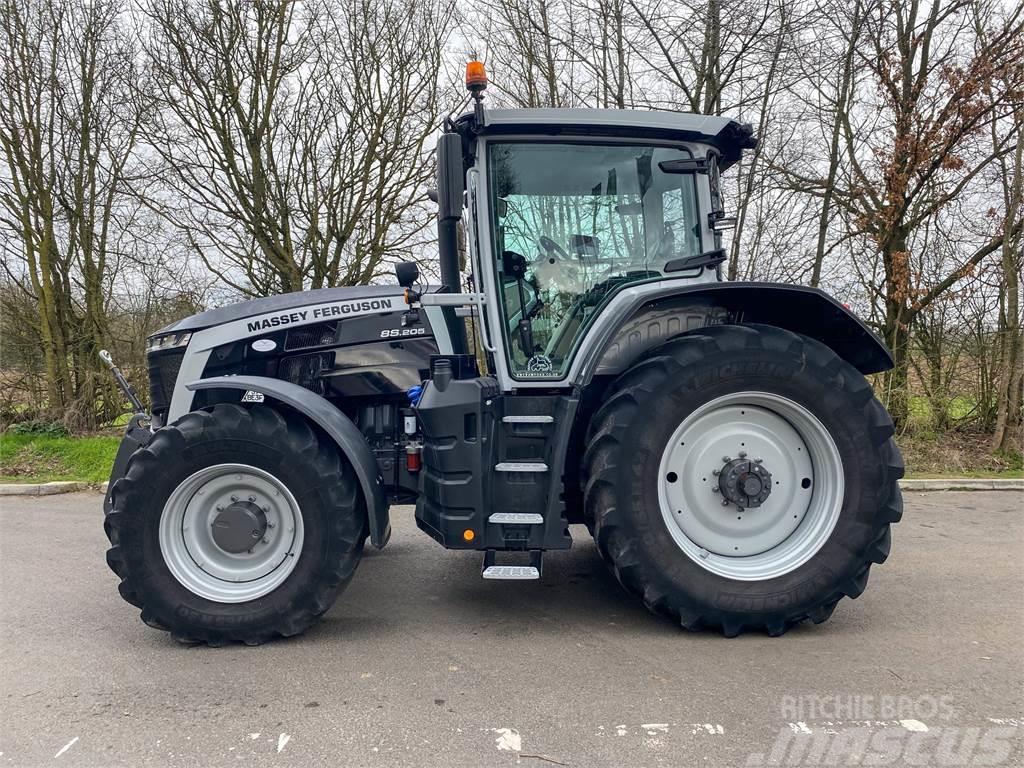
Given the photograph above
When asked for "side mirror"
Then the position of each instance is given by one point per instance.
(684, 165)
(721, 223)
(407, 273)
(451, 184)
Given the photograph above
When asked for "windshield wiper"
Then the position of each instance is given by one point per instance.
(706, 259)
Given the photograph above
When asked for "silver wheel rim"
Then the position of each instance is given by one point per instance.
(196, 560)
(806, 486)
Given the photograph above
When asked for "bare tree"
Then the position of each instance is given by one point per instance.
(839, 29)
(911, 151)
(69, 128)
(1010, 334)
(532, 64)
(293, 136)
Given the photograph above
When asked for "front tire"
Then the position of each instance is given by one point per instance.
(235, 524)
(680, 434)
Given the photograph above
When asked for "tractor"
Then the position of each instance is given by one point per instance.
(582, 361)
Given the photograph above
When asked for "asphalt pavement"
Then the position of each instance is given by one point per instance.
(422, 663)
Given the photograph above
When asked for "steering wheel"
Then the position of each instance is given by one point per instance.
(553, 249)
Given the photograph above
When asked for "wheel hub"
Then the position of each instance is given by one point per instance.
(239, 526)
(745, 483)
(751, 485)
(231, 533)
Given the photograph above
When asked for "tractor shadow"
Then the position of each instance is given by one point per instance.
(423, 584)
(414, 586)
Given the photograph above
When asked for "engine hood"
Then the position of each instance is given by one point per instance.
(280, 302)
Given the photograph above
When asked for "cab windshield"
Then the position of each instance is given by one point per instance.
(572, 222)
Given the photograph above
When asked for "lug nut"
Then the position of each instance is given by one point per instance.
(252, 498)
(758, 460)
(234, 498)
(727, 459)
(743, 454)
(716, 489)
(725, 502)
(716, 472)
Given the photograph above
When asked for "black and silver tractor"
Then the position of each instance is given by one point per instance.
(718, 439)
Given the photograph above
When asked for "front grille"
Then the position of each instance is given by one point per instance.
(306, 336)
(305, 370)
(163, 373)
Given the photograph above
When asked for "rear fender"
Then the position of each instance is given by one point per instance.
(649, 320)
(336, 424)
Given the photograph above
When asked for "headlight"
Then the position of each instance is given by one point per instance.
(167, 341)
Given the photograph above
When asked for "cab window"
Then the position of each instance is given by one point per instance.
(572, 222)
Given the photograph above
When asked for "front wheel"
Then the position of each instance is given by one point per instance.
(235, 524)
(742, 477)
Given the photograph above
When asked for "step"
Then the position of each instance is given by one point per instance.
(511, 572)
(516, 518)
(528, 419)
(521, 466)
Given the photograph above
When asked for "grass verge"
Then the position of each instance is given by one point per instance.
(957, 453)
(44, 458)
(31, 458)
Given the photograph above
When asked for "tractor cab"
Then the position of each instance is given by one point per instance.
(566, 214)
(565, 208)
(566, 222)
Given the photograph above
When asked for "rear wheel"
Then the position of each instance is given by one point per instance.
(235, 524)
(742, 477)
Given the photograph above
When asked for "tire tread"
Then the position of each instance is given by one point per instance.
(604, 445)
(296, 439)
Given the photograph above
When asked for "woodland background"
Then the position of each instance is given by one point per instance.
(164, 156)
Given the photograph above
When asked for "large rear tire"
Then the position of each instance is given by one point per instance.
(742, 477)
(235, 524)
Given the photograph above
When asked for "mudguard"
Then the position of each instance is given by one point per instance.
(649, 319)
(336, 424)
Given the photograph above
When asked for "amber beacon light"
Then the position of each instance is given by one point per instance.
(476, 76)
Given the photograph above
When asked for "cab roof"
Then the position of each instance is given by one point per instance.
(726, 135)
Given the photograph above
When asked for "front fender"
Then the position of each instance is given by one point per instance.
(336, 424)
(649, 318)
